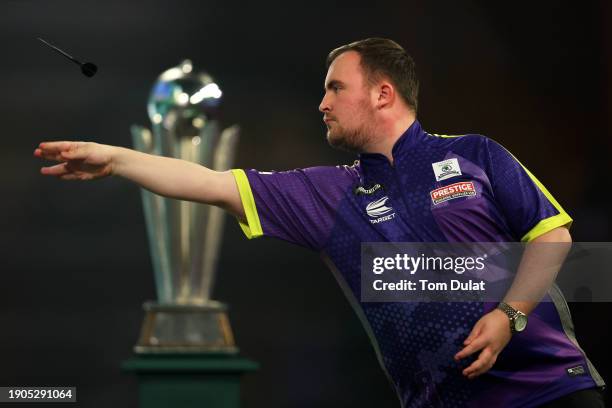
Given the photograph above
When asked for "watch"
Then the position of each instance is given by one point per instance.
(518, 319)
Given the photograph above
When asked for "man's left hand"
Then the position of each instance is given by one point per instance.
(490, 334)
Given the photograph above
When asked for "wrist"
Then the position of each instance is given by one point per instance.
(516, 318)
(117, 159)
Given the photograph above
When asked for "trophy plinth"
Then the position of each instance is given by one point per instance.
(175, 328)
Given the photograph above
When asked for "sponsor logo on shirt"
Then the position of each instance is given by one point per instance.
(456, 190)
(380, 211)
(446, 169)
(368, 190)
(574, 371)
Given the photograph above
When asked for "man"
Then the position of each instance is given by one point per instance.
(435, 354)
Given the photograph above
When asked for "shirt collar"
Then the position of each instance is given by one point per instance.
(406, 142)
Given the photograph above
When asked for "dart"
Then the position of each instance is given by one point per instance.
(87, 68)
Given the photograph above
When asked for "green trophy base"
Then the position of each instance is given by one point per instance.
(189, 380)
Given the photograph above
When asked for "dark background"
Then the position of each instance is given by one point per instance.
(75, 264)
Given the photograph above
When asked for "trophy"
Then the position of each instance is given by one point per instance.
(184, 237)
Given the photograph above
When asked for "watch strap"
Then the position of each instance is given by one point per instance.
(510, 312)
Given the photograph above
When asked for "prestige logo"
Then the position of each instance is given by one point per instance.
(452, 191)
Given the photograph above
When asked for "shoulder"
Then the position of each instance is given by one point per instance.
(340, 174)
(325, 178)
(466, 141)
(331, 179)
(476, 146)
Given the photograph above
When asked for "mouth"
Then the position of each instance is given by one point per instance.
(327, 120)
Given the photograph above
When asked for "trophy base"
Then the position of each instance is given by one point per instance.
(182, 329)
(187, 380)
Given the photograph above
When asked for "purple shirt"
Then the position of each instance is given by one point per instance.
(440, 189)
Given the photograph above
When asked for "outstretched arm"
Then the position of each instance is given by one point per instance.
(165, 176)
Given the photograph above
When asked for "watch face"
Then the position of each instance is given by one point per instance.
(520, 322)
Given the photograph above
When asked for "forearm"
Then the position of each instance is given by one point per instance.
(538, 269)
(170, 177)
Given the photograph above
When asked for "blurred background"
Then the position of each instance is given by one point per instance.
(74, 259)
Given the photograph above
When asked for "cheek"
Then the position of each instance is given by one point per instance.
(349, 106)
(366, 108)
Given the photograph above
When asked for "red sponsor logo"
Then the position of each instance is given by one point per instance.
(456, 190)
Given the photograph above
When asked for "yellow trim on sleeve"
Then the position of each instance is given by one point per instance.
(252, 228)
(550, 223)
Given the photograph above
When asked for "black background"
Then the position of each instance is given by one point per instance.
(74, 258)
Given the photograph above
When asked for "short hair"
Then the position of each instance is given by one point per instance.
(381, 57)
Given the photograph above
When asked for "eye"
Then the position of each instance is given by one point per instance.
(333, 87)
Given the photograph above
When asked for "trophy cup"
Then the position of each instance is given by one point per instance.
(185, 237)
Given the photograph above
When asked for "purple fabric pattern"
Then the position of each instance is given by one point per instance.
(439, 189)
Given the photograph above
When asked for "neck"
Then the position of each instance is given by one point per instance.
(390, 132)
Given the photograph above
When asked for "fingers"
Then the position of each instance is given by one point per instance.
(473, 334)
(70, 176)
(44, 154)
(57, 150)
(475, 345)
(76, 151)
(55, 146)
(57, 170)
(64, 172)
(490, 336)
(485, 361)
(68, 171)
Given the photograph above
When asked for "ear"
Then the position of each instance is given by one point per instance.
(386, 95)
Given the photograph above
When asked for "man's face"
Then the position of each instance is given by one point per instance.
(347, 104)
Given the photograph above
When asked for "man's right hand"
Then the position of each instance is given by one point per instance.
(78, 160)
(166, 176)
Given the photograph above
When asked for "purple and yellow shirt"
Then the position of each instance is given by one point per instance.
(439, 189)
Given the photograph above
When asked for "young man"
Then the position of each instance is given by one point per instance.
(435, 354)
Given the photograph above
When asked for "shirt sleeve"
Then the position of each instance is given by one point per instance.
(298, 206)
(528, 206)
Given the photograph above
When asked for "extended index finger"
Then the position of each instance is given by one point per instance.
(52, 150)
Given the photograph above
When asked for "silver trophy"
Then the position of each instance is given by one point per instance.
(185, 237)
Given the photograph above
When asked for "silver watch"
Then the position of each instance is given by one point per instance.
(518, 319)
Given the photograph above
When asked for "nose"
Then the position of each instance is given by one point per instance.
(324, 105)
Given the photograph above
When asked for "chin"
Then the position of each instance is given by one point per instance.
(333, 139)
(340, 143)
